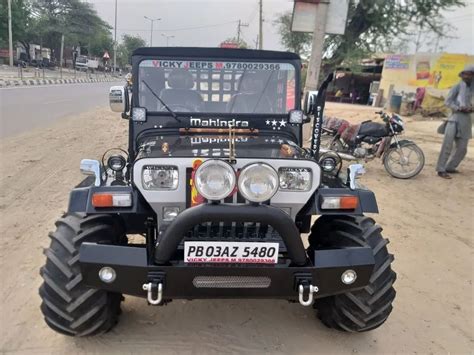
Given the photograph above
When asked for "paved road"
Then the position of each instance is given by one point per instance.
(25, 108)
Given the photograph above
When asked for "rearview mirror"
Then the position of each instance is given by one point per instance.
(118, 99)
(309, 103)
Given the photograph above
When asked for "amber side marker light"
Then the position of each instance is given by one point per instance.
(108, 199)
(339, 202)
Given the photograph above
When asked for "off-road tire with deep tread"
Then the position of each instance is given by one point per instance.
(364, 309)
(68, 306)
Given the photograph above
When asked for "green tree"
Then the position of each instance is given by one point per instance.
(125, 49)
(21, 19)
(374, 25)
(99, 43)
(77, 21)
(377, 25)
(298, 42)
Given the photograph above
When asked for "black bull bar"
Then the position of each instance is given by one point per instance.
(187, 281)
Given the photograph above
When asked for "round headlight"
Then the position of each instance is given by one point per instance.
(258, 182)
(116, 162)
(215, 179)
(328, 164)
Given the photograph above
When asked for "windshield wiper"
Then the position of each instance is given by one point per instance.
(175, 116)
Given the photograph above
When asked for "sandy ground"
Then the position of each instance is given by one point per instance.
(429, 222)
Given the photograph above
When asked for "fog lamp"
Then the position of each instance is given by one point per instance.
(328, 164)
(348, 277)
(170, 213)
(107, 274)
(116, 162)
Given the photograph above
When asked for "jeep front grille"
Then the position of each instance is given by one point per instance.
(235, 231)
(231, 282)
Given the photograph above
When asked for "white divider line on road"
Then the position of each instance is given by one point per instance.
(41, 82)
(53, 85)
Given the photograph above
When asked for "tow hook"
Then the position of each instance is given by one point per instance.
(150, 287)
(311, 290)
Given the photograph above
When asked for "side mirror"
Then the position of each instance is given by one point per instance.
(309, 103)
(118, 99)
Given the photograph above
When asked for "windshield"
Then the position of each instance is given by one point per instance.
(216, 86)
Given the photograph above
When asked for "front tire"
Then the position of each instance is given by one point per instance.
(68, 306)
(368, 308)
(399, 163)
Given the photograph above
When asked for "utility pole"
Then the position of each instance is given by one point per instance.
(260, 25)
(314, 65)
(10, 35)
(167, 38)
(61, 55)
(115, 38)
(151, 29)
(239, 29)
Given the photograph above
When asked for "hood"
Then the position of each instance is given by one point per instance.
(217, 146)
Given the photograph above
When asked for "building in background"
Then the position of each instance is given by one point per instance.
(405, 76)
(356, 83)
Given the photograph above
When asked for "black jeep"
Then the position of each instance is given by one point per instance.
(211, 199)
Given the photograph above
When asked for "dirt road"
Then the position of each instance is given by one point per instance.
(429, 222)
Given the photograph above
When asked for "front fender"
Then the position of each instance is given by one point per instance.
(367, 201)
(402, 143)
(80, 200)
(393, 145)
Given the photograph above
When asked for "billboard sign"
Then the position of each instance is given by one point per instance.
(304, 16)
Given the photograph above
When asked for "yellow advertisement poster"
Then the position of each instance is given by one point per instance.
(439, 73)
(446, 70)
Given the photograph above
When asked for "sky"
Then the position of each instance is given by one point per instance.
(206, 23)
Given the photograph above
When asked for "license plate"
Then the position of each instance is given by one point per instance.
(231, 252)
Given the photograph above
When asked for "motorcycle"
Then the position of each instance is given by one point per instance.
(402, 158)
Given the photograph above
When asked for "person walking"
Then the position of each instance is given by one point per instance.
(458, 128)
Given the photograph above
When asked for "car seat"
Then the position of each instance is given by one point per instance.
(180, 94)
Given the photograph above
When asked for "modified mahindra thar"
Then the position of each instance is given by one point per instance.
(211, 197)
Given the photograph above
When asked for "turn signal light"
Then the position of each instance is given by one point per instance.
(107, 199)
(339, 202)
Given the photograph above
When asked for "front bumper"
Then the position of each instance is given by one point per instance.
(136, 267)
(179, 280)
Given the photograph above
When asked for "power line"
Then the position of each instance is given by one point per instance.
(253, 14)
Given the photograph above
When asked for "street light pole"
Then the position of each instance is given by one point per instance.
(115, 38)
(10, 35)
(260, 25)
(151, 29)
(167, 38)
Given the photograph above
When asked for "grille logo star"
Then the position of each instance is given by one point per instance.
(274, 123)
(283, 123)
